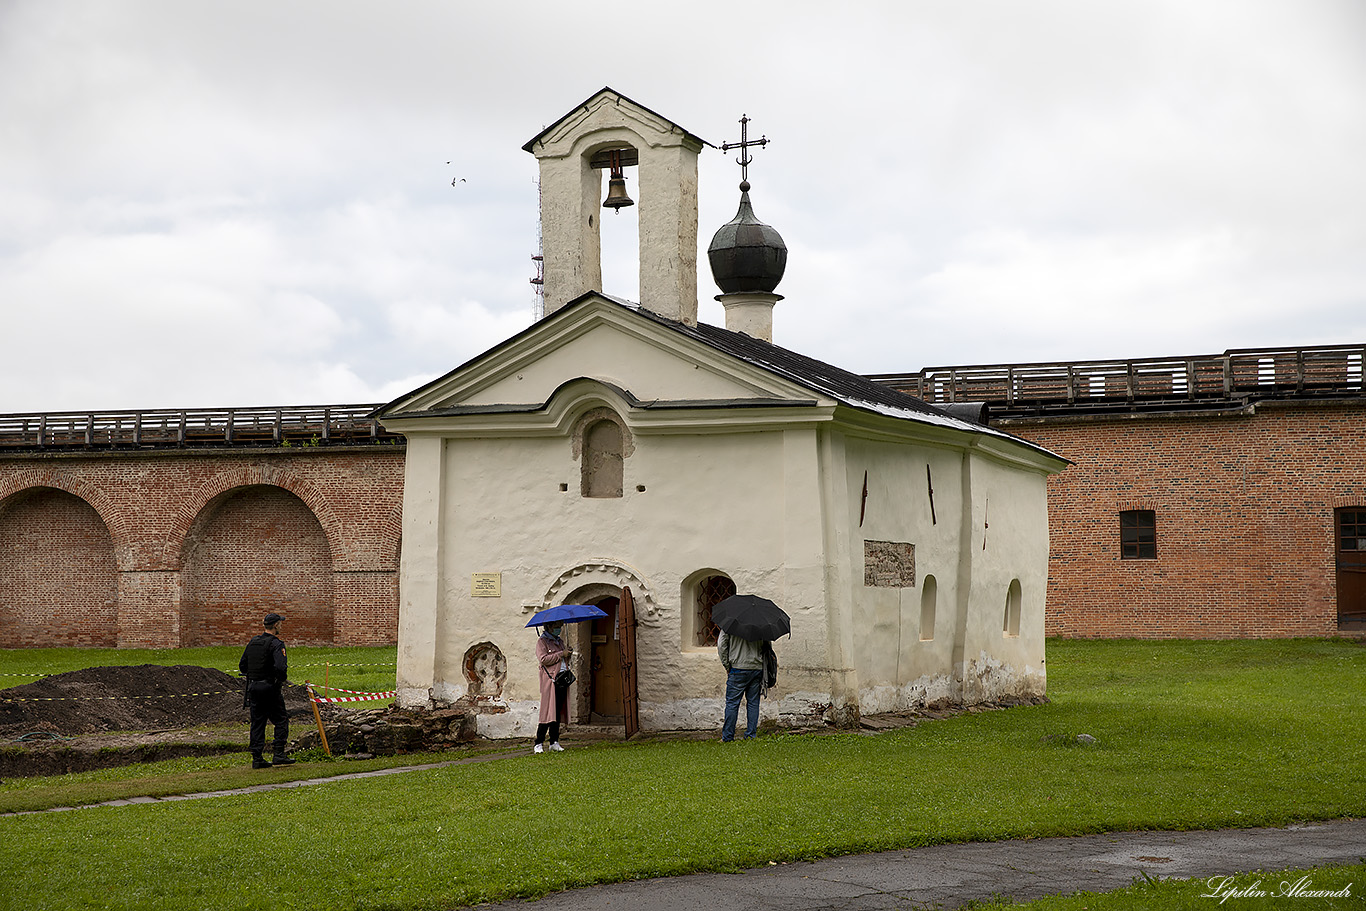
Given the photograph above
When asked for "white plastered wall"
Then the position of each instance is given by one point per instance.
(777, 511)
(745, 503)
(1009, 542)
(902, 666)
(987, 528)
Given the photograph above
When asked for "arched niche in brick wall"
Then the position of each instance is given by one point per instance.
(253, 550)
(58, 578)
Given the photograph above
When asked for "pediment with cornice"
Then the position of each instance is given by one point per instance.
(640, 360)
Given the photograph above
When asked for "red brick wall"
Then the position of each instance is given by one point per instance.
(253, 551)
(1245, 512)
(197, 539)
(57, 576)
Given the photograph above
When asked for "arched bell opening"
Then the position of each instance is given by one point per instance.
(619, 219)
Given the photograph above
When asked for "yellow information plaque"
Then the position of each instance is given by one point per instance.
(486, 585)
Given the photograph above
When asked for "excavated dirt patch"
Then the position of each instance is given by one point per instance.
(101, 717)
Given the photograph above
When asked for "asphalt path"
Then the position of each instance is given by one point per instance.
(949, 876)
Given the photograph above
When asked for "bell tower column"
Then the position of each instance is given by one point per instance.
(572, 154)
(571, 243)
(668, 232)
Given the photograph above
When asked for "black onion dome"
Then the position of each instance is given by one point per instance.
(746, 254)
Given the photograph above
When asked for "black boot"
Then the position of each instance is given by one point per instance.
(282, 759)
(259, 762)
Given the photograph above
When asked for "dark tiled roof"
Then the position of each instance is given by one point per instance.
(849, 388)
(819, 376)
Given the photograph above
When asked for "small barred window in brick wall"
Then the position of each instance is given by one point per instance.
(1138, 534)
(711, 591)
(1352, 530)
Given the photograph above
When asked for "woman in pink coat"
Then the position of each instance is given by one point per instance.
(553, 656)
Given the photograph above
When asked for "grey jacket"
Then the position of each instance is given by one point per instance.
(739, 654)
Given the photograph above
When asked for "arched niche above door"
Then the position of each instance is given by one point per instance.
(603, 572)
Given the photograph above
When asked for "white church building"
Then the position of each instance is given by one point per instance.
(625, 455)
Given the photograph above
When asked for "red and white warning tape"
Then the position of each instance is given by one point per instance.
(359, 697)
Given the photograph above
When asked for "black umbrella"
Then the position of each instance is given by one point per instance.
(751, 617)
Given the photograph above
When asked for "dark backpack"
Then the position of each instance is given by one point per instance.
(770, 664)
(257, 659)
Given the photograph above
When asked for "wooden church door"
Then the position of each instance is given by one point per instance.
(605, 684)
(630, 705)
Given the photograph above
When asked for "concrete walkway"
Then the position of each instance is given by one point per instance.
(949, 876)
(272, 786)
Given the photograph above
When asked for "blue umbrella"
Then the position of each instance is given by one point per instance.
(566, 613)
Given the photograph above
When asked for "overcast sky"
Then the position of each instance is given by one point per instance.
(206, 204)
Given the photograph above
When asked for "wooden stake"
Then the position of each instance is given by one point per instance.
(318, 718)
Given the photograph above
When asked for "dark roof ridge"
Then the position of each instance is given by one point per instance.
(808, 371)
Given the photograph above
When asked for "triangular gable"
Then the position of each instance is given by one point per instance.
(613, 343)
(572, 122)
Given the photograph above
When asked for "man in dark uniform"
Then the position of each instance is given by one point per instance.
(267, 669)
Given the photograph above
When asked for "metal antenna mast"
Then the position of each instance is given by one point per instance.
(538, 308)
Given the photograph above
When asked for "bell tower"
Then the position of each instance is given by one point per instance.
(610, 132)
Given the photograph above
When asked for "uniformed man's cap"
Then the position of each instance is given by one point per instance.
(272, 619)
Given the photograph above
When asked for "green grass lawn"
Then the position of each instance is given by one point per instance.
(1189, 735)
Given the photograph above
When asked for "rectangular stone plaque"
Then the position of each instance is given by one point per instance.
(486, 585)
(888, 564)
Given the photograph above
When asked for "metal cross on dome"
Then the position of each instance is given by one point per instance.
(743, 145)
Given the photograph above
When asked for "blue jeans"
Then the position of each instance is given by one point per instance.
(742, 683)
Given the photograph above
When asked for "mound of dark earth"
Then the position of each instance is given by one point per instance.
(143, 698)
(111, 716)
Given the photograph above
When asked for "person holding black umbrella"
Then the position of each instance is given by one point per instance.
(747, 625)
(744, 663)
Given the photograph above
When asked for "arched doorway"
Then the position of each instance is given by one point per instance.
(605, 662)
(600, 692)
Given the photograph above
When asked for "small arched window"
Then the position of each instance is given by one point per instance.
(929, 595)
(711, 591)
(1014, 603)
(603, 459)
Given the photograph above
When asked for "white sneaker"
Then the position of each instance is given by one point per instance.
(556, 748)
(540, 748)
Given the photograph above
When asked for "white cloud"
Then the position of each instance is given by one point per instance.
(202, 205)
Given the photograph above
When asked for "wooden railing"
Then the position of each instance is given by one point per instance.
(1181, 382)
(292, 426)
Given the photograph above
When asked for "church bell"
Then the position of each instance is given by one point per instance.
(616, 187)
